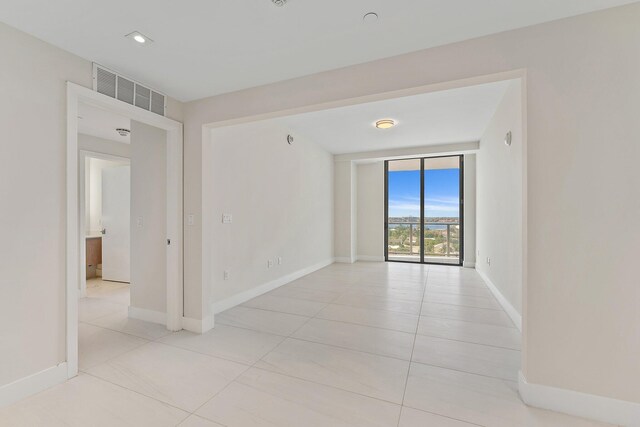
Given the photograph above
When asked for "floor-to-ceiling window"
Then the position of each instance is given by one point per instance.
(423, 210)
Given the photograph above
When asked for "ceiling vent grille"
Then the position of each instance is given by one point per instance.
(126, 90)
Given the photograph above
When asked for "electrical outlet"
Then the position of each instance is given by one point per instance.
(140, 222)
(226, 275)
(227, 218)
(489, 260)
(270, 263)
(191, 219)
(279, 260)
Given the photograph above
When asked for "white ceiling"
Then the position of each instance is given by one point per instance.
(101, 123)
(208, 47)
(451, 116)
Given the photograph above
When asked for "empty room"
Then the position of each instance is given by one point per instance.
(291, 213)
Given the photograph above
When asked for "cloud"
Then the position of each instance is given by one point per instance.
(444, 200)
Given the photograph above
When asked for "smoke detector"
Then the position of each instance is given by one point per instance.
(279, 3)
(123, 132)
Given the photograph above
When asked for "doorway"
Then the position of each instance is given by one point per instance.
(159, 169)
(424, 205)
(105, 191)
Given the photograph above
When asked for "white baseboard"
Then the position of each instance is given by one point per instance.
(510, 309)
(148, 315)
(245, 296)
(24, 387)
(605, 409)
(370, 258)
(468, 264)
(344, 260)
(198, 326)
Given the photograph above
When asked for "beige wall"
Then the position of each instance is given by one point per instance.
(344, 248)
(33, 113)
(583, 98)
(103, 146)
(148, 205)
(499, 199)
(280, 197)
(469, 206)
(33, 199)
(370, 208)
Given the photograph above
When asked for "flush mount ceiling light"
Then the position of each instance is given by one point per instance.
(123, 132)
(138, 37)
(370, 18)
(279, 3)
(385, 123)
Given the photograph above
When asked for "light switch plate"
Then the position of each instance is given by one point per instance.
(227, 218)
(191, 219)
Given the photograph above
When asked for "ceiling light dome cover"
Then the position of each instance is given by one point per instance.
(385, 123)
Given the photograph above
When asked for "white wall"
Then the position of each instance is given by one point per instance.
(499, 199)
(281, 199)
(370, 211)
(33, 79)
(583, 98)
(148, 217)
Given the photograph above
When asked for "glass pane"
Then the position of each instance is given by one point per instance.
(403, 239)
(442, 210)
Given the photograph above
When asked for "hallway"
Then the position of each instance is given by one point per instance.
(365, 344)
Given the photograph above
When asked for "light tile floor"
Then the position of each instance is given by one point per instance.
(368, 344)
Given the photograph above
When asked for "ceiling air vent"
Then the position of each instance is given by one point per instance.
(126, 90)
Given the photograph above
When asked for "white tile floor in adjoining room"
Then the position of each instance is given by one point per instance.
(367, 344)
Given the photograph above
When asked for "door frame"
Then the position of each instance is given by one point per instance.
(460, 209)
(76, 95)
(83, 155)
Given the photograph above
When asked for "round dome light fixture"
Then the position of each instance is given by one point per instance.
(385, 123)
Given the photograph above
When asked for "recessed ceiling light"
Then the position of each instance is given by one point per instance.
(385, 123)
(138, 37)
(370, 17)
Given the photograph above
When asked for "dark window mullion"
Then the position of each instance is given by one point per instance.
(422, 211)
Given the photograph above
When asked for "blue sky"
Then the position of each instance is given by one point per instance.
(441, 193)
